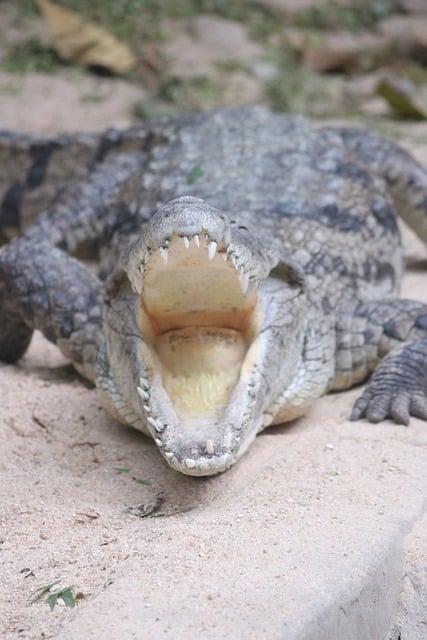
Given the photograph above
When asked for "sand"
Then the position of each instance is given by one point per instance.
(311, 522)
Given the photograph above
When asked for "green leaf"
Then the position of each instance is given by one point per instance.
(141, 481)
(40, 593)
(194, 174)
(52, 600)
(67, 596)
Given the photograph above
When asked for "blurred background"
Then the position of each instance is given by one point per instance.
(71, 65)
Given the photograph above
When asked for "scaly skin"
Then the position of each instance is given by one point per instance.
(268, 275)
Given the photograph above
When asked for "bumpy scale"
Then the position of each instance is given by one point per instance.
(249, 263)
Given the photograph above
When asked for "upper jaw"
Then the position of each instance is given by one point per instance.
(197, 224)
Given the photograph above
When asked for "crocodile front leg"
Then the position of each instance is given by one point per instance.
(398, 386)
(43, 288)
(392, 333)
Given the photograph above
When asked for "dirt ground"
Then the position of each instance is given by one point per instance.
(76, 486)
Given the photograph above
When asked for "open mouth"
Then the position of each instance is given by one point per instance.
(194, 317)
(198, 315)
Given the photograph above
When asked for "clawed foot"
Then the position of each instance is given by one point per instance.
(398, 387)
(376, 406)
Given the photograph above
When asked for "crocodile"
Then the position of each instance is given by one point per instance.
(249, 262)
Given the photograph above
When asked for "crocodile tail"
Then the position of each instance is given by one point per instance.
(405, 176)
(37, 170)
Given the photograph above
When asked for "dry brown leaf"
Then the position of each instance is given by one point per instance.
(82, 42)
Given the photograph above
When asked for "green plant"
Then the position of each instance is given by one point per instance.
(51, 597)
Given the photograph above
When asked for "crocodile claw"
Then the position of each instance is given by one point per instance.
(397, 389)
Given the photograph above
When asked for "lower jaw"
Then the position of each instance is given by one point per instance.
(206, 466)
(211, 441)
(185, 461)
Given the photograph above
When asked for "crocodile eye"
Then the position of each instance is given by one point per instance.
(242, 228)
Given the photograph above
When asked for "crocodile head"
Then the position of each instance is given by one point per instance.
(204, 326)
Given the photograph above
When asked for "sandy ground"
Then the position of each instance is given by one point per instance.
(75, 483)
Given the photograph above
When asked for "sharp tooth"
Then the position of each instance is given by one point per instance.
(164, 254)
(159, 426)
(196, 240)
(147, 408)
(190, 463)
(143, 382)
(137, 286)
(209, 447)
(224, 256)
(244, 282)
(186, 241)
(144, 395)
(169, 454)
(212, 249)
(152, 421)
(267, 420)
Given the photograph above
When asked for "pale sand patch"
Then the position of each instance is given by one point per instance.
(299, 526)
